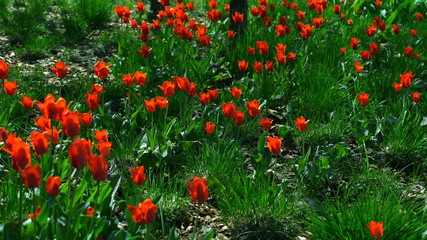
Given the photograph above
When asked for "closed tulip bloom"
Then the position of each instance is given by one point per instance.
(300, 15)
(79, 152)
(140, 78)
(371, 30)
(235, 92)
(213, 4)
(86, 118)
(291, 57)
(343, 51)
(239, 118)
(266, 123)
(373, 49)
(210, 128)
(231, 34)
(52, 185)
(238, 17)
(376, 229)
(60, 69)
(3, 134)
(406, 79)
(145, 212)
(150, 105)
(20, 151)
(101, 70)
(213, 94)
(301, 123)
(243, 65)
(204, 98)
(337, 9)
(396, 29)
(251, 51)
(358, 67)
(364, 55)
(413, 32)
(139, 6)
(92, 100)
(281, 58)
(408, 51)
(70, 123)
(168, 88)
(144, 51)
(27, 103)
(31, 176)
(198, 189)
(4, 70)
(127, 79)
(98, 166)
(269, 66)
(274, 144)
(10, 88)
(90, 211)
(354, 43)
(137, 174)
(363, 99)
(419, 16)
(229, 109)
(258, 67)
(161, 102)
(253, 108)
(262, 47)
(397, 86)
(416, 97)
(40, 143)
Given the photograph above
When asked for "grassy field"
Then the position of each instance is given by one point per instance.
(311, 123)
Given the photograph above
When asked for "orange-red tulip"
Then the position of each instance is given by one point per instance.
(139, 6)
(354, 43)
(168, 88)
(52, 185)
(198, 189)
(262, 47)
(92, 100)
(140, 78)
(137, 174)
(406, 79)
(86, 118)
(101, 70)
(3, 134)
(408, 51)
(235, 92)
(60, 69)
(150, 105)
(145, 212)
(238, 17)
(40, 143)
(127, 79)
(4, 70)
(416, 97)
(239, 118)
(210, 128)
(243, 65)
(363, 99)
(291, 57)
(229, 109)
(90, 211)
(213, 94)
(301, 123)
(52, 134)
(376, 229)
(274, 144)
(161, 102)
(419, 16)
(70, 123)
(397, 86)
(258, 67)
(396, 29)
(10, 88)
(98, 166)
(36, 214)
(31, 176)
(266, 123)
(79, 152)
(253, 108)
(204, 98)
(27, 102)
(20, 151)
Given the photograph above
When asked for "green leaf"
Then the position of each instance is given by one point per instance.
(261, 141)
(9, 231)
(173, 234)
(209, 235)
(79, 191)
(396, 12)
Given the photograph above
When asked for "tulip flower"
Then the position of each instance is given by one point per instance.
(70, 123)
(262, 47)
(229, 109)
(243, 65)
(27, 103)
(139, 6)
(168, 88)
(363, 99)
(101, 70)
(60, 69)
(204, 98)
(92, 100)
(396, 29)
(10, 88)
(408, 51)
(210, 128)
(419, 17)
(376, 229)
(52, 185)
(137, 174)
(235, 92)
(140, 78)
(31, 176)
(144, 51)
(145, 212)
(20, 151)
(258, 67)
(301, 123)
(266, 123)
(416, 97)
(3, 134)
(90, 211)
(238, 17)
(406, 79)
(86, 118)
(397, 86)
(4, 70)
(127, 79)
(161, 102)
(150, 105)
(291, 57)
(36, 214)
(274, 144)
(98, 166)
(253, 108)
(354, 43)
(79, 152)
(198, 189)
(239, 118)
(213, 94)
(40, 143)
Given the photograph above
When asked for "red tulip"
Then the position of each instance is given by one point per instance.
(274, 144)
(90, 211)
(213, 94)
(301, 123)
(168, 88)
(4, 70)
(92, 100)
(27, 103)
(145, 212)
(406, 79)
(204, 98)
(70, 123)
(210, 128)
(198, 189)
(150, 105)
(229, 109)
(137, 174)
(60, 69)
(363, 99)
(52, 185)
(266, 123)
(235, 92)
(98, 166)
(79, 152)
(140, 78)
(20, 151)
(408, 51)
(376, 229)
(397, 86)
(127, 79)
(40, 143)
(238, 17)
(239, 118)
(416, 97)
(161, 102)
(253, 108)
(10, 88)
(31, 176)
(101, 70)
(86, 118)
(243, 65)
(354, 43)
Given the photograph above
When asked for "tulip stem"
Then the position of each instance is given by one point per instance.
(35, 211)
(70, 203)
(95, 205)
(20, 210)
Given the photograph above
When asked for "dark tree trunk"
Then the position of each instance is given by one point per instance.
(155, 7)
(240, 6)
